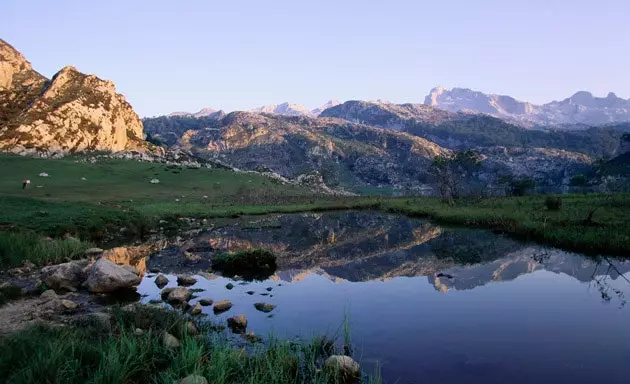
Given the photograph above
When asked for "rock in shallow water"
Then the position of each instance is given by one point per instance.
(344, 366)
(161, 280)
(186, 280)
(106, 276)
(237, 323)
(179, 294)
(222, 306)
(205, 302)
(264, 307)
(196, 310)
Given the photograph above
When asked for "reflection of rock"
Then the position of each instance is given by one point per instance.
(526, 260)
(132, 255)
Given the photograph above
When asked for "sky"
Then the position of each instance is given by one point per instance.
(167, 56)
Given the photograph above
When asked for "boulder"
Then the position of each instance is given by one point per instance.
(186, 280)
(104, 320)
(229, 286)
(179, 295)
(237, 323)
(191, 328)
(196, 310)
(264, 307)
(67, 276)
(251, 337)
(131, 269)
(48, 295)
(170, 341)
(205, 302)
(161, 280)
(106, 276)
(222, 306)
(165, 292)
(344, 366)
(68, 304)
(193, 379)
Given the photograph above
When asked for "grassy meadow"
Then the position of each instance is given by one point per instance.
(94, 201)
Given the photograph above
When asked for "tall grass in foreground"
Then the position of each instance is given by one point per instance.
(90, 352)
(15, 248)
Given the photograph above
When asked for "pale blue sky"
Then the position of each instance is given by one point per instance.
(183, 55)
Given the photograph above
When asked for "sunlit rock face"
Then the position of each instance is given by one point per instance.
(69, 113)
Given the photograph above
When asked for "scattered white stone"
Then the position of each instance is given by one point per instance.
(83, 178)
(43, 174)
(155, 181)
(171, 341)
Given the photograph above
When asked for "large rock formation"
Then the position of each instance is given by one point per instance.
(71, 112)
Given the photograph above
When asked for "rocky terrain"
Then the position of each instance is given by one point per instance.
(343, 154)
(345, 146)
(580, 109)
(69, 113)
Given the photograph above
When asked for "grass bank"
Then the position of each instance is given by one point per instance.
(95, 201)
(93, 352)
(591, 224)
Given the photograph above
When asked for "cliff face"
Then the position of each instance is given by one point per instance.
(71, 112)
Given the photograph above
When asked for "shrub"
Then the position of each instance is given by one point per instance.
(250, 264)
(553, 203)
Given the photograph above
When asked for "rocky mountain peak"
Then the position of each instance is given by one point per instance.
(11, 62)
(580, 108)
(71, 112)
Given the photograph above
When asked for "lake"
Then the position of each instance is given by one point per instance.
(427, 304)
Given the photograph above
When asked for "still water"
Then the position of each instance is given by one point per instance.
(427, 304)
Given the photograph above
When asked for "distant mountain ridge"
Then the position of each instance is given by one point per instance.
(580, 109)
(284, 109)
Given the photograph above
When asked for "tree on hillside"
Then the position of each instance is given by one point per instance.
(450, 172)
(517, 186)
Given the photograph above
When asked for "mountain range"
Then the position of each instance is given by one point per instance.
(286, 109)
(355, 145)
(580, 109)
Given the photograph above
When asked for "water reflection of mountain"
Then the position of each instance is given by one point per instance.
(361, 246)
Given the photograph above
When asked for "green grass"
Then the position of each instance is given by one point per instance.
(527, 217)
(9, 292)
(117, 194)
(88, 352)
(17, 247)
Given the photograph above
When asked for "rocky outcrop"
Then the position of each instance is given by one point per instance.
(71, 112)
(325, 151)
